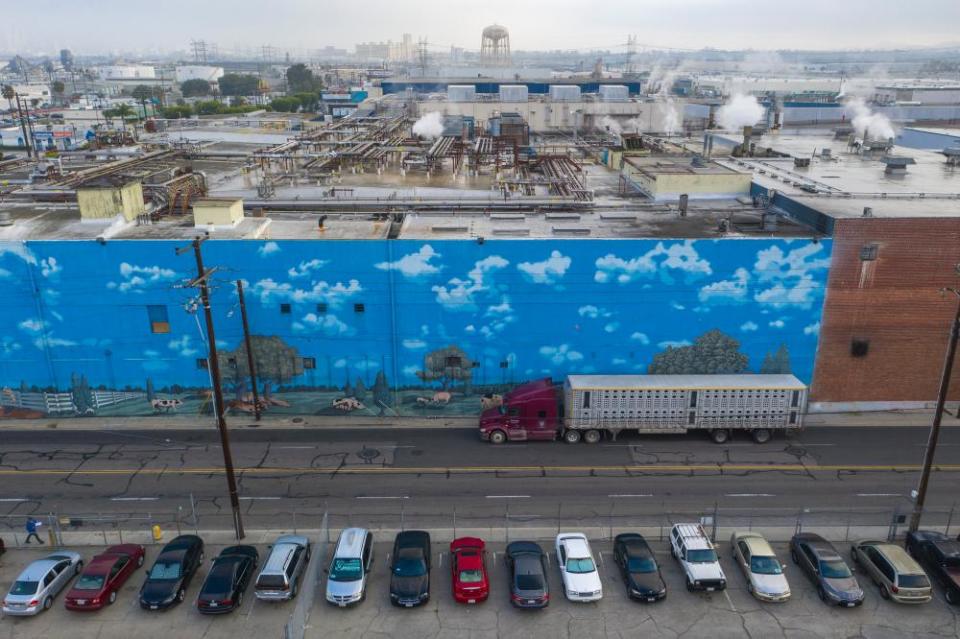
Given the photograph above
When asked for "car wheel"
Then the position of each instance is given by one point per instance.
(794, 557)
(498, 437)
(571, 436)
(761, 435)
(181, 594)
(884, 592)
(853, 555)
(719, 435)
(113, 596)
(822, 594)
(79, 567)
(689, 586)
(139, 561)
(591, 436)
(47, 603)
(952, 597)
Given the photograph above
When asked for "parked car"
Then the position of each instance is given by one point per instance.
(578, 570)
(528, 575)
(469, 571)
(352, 559)
(410, 569)
(231, 573)
(897, 574)
(285, 565)
(169, 577)
(824, 566)
(639, 568)
(690, 545)
(103, 577)
(34, 590)
(940, 557)
(759, 564)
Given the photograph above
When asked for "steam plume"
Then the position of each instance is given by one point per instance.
(740, 111)
(429, 126)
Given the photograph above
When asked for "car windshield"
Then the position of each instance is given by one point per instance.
(502, 408)
(704, 556)
(641, 564)
(834, 569)
(164, 571)
(346, 570)
(271, 581)
(913, 581)
(529, 582)
(470, 576)
(24, 588)
(580, 566)
(410, 568)
(220, 579)
(89, 582)
(765, 566)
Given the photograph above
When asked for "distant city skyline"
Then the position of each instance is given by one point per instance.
(114, 26)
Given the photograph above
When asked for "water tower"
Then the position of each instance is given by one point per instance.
(495, 47)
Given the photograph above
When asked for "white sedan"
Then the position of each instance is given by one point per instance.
(581, 580)
(759, 564)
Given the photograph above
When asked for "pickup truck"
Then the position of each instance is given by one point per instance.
(690, 545)
(940, 557)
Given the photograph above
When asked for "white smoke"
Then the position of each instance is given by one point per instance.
(430, 126)
(606, 123)
(669, 115)
(740, 111)
(866, 122)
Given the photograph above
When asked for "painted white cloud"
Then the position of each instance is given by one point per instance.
(673, 344)
(789, 276)
(4, 273)
(561, 354)
(618, 361)
(415, 265)
(592, 312)
(812, 329)
(9, 346)
(135, 278)
(549, 271)
(328, 324)
(268, 249)
(778, 323)
(411, 371)
(470, 329)
(32, 326)
(183, 346)
(727, 291)
(414, 344)
(680, 256)
(678, 306)
(748, 327)
(18, 249)
(459, 294)
(501, 309)
(611, 327)
(640, 337)
(50, 267)
(305, 268)
(333, 294)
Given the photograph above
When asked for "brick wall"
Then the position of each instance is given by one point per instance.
(894, 304)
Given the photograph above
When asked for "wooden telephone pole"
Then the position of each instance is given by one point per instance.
(202, 282)
(250, 362)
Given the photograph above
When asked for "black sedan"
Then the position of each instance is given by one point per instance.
(639, 568)
(528, 575)
(410, 569)
(169, 577)
(229, 576)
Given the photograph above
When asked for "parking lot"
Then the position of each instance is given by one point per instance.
(733, 613)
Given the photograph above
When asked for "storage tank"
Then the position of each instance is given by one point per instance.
(514, 93)
(614, 92)
(564, 93)
(461, 93)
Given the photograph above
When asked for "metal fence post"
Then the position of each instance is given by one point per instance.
(950, 518)
(193, 511)
(454, 522)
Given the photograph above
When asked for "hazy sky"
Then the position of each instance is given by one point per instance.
(94, 26)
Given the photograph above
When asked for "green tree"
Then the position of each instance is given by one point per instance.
(142, 93)
(177, 111)
(285, 105)
(58, 88)
(238, 84)
(381, 392)
(777, 363)
(712, 353)
(300, 79)
(448, 365)
(195, 88)
(9, 93)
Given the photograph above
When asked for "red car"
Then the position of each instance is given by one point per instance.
(106, 573)
(468, 563)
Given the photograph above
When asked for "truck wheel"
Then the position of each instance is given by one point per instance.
(761, 435)
(720, 435)
(591, 436)
(571, 436)
(498, 437)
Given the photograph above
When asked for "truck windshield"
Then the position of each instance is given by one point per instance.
(705, 556)
(502, 408)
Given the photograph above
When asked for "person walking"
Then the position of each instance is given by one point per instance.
(33, 525)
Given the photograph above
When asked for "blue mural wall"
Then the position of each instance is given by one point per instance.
(89, 328)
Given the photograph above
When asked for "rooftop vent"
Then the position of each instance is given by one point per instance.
(449, 229)
(511, 231)
(507, 216)
(620, 217)
(897, 164)
(562, 216)
(570, 230)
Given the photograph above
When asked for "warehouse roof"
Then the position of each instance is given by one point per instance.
(684, 382)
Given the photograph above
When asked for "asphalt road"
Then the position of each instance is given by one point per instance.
(424, 476)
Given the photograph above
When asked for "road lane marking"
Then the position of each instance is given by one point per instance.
(628, 495)
(879, 495)
(508, 496)
(749, 495)
(134, 498)
(261, 498)
(13, 499)
(382, 497)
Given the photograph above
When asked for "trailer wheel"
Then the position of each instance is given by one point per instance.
(719, 435)
(761, 435)
(591, 436)
(498, 437)
(571, 436)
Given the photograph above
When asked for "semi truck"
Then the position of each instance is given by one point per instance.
(584, 407)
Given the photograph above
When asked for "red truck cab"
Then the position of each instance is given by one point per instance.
(530, 412)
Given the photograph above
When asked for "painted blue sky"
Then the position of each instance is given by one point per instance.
(544, 307)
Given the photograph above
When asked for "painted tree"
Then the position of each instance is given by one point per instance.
(448, 366)
(360, 390)
(381, 392)
(82, 394)
(151, 395)
(777, 363)
(347, 388)
(712, 353)
(276, 362)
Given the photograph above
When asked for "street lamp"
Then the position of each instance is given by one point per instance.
(938, 414)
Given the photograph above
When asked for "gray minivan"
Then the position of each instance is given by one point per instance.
(352, 559)
(281, 574)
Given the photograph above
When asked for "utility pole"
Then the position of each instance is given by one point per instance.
(201, 282)
(23, 126)
(938, 414)
(250, 362)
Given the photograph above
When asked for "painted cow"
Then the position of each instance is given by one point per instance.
(167, 405)
(491, 400)
(347, 404)
(441, 397)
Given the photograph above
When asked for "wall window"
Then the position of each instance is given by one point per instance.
(868, 252)
(322, 308)
(859, 347)
(309, 363)
(285, 309)
(586, 399)
(453, 362)
(159, 321)
(359, 308)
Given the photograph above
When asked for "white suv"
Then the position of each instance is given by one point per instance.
(691, 546)
(581, 581)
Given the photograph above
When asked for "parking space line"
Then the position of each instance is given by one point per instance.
(440, 560)
(749, 495)
(508, 497)
(382, 497)
(136, 498)
(261, 498)
(730, 601)
(879, 495)
(14, 499)
(624, 495)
